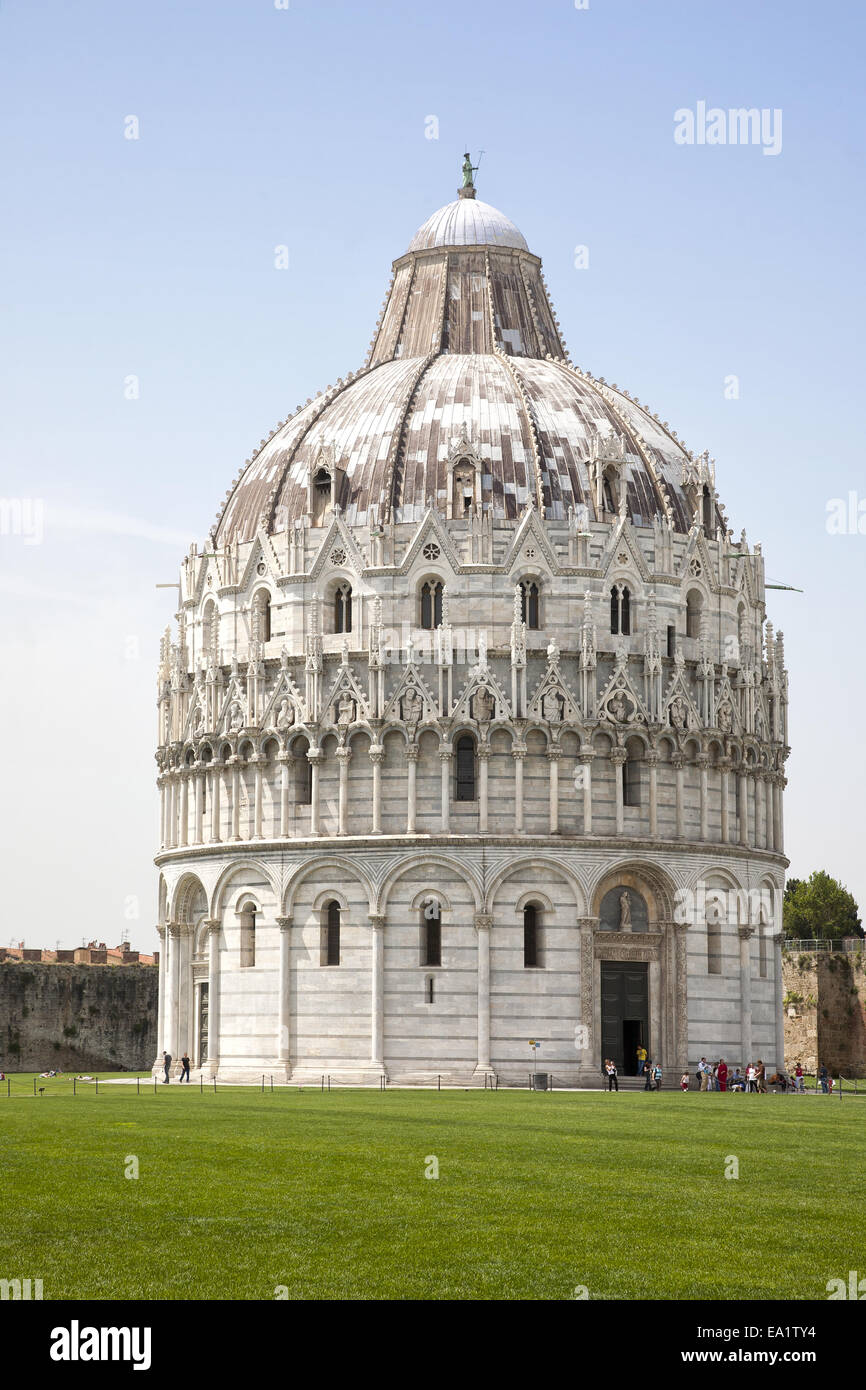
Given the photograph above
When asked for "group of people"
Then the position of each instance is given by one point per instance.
(184, 1062)
(651, 1070)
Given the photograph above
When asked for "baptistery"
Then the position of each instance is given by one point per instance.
(472, 728)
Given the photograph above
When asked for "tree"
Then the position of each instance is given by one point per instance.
(819, 908)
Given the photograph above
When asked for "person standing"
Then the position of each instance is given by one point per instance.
(703, 1072)
(761, 1078)
(684, 1081)
(166, 1061)
(648, 1083)
(657, 1076)
(184, 1062)
(612, 1081)
(750, 1077)
(641, 1060)
(798, 1078)
(722, 1073)
(824, 1078)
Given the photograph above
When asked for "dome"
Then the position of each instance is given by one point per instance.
(467, 342)
(467, 222)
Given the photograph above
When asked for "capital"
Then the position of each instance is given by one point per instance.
(483, 921)
(377, 753)
(412, 751)
(445, 755)
(518, 754)
(284, 923)
(554, 753)
(619, 755)
(377, 920)
(745, 933)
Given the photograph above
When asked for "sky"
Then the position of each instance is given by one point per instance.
(155, 157)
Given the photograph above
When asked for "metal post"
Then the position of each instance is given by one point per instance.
(263, 1083)
(138, 1085)
(73, 1086)
(154, 1085)
(438, 1083)
(97, 1085)
(214, 1085)
(201, 1085)
(272, 1085)
(323, 1083)
(34, 1085)
(329, 1085)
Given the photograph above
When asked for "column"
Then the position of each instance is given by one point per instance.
(725, 770)
(170, 823)
(256, 760)
(617, 758)
(445, 765)
(678, 761)
(702, 762)
(344, 756)
(184, 807)
(172, 988)
(586, 764)
(411, 784)
(553, 755)
(377, 1011)
(743, 781)
(162, 816)
(745, 934)
(652, 760)
(518, 754)
(236, 796)
(314, 757)
(483, 756)
(771, 811)
(377, 754)
(483, 923)
(587, 968)
(198, 834)
(778, 939)
(160, 1026)
(681, 996)
(285, 926)
(780, 837)
(213, 993)
(215, 791)
(760, 827)
(283, 760)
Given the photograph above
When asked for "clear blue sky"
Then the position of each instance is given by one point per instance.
(306, 127)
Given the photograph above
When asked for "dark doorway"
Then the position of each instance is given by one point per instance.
(624, 1013)
(203, 1005)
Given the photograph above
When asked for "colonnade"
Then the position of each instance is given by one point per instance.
(757, 822)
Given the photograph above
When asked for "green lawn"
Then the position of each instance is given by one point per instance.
(537, 1194)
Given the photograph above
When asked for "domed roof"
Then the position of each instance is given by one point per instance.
(467, 222)
(394, 427)
(467, 347)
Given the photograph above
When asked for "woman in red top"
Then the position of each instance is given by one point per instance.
(722, 1072)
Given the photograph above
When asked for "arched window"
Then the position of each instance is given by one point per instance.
(631, 780)
(431, 933)
(322, 483)
(210, 630)
(531, 936)
(694, 608)
(714, 937)
(620, 610)
(431, 604)
(707, 512)
(464, 769)
(330, 951)
(529, 607)
(248, 935)
(608, 492)
(303, 777)
(343, 608)
(262, 616)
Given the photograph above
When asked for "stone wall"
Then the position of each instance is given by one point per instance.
(825, 1011)
(77, 1017)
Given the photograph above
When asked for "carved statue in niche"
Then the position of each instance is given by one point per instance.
(413, 707)
(618, 707)
(624, 910)
(678, 712)
(724, 718)
(286, 716)
(236, 717)
(759, 724)
(484, 705)
(345, 711)
(551, 707)
(198, 719)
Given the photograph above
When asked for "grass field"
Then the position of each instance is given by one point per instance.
(239, 1193)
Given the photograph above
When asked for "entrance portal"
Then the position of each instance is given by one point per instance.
(624, 1013)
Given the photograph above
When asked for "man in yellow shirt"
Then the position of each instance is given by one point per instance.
(641, 1059)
